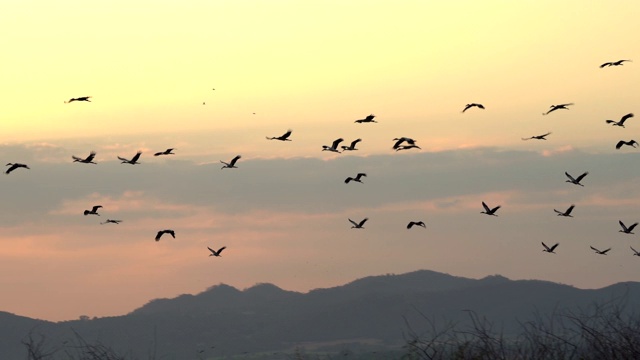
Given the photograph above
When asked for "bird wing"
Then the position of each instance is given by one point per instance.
(594, 249)
(466, 107)
(136, 157)
(354, 142)
(545, 246)
(606, 64)
(335, 143)
(624, 118)
(286, 135)
(172, 233)
(123, 159)
(95, 208)
(632, 226)
(346, 181)
(158, 153)
(486, 208)
(634, 250)
(353, 222)
(210, 249)
(233, 161)
(410, 224)
(563, 105)
(582, 176)
(559, 212)
(76, 158)
(620, 143)
(554, 246)
(370, 117)
(159, 234)
(360, 175)
(610, 121)
(496, 208)
(480, 106)
(569, 210)
(605, 251)
(397, 144)
(362, 222)
(569, 176)
(90, 157)
(624, 228)
(220, 250)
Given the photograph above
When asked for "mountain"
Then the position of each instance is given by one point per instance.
(373, 312)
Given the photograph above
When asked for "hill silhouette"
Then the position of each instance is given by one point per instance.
(372, 311)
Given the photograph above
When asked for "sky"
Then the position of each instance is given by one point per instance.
(212, 79)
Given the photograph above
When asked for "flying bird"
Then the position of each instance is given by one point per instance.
(334, 146)
(352, 146)
(162, 232)
(550, 249)
(417, 223)
(14, 166)
(407, 147)
(601, 252)
(567, 212)
(82, 98)
(625, 229)
(87, 160)
(359, 225)
(358, 178)
(538, 137)
(614, 63)
(231, 164)
(635, 252)
(166, 152)
(367, 119)
(577, 180)
(557, 107)
(216, 253)
(489, 211)
(109, 221)
(401, 140)
(134, 159)
(631, 143)
(469, 106)
(283, 137)
(93, 211)
(621, 122)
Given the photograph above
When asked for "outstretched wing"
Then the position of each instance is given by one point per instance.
(594, 249)
(554, 246)
(410, 224)
(136, 157)
(370, 117)
(495, 209)
(620, 143)
(95, 208)
(569, 210)
(362, 222)
(634, 250)
(606, 64)
(220, 250)
(486, 208)
(354, 142)
(286, 135)
(335, 143)
(353, 222)
(582, 176)
(233, 161)
(624, 118)
(569, 176)
(212, 251)
(123, 159)
(545, 246)
(605, 251)
(159, 235)
(91, 156)
(632, 226)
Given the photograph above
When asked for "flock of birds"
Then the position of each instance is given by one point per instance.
(400, 143)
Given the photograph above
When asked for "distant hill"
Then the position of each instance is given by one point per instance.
(372, 311)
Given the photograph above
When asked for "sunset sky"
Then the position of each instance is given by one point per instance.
(262, 67)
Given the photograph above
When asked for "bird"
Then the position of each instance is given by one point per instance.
(93, 211)
(216, 253)
(614, 63)
(550, 249)
(601, 252)
(399, 141)
(367, 119)
(621, 122)
(14, 166)
(358, 178)
(636, 253)
(134, 159)
(417, 223)
(557, 107)
(567, 212)
(82, 98)
(407, 147)
(283, 137)
(625, 229)
(469, 106)
(359, 225)
(166, 152)
(162, 232)
(631, 143)
(489, 211)
(352, 146)
(87, 160)
(109, 221)
(334, 146)
(231, 164)
(577, 180)
(538, 137)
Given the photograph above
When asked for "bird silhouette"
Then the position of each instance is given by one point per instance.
(401, 140)
(625, 229)
(216, 253)
(14, 166)
(566, 213)
(621, 121)
(489, 211)
(231, 164)
(352, 146)
(358, 178)
(166, 152)
(416, 223)
(631, 143)
(635, 252)
(87, 160)
(367, 119)
(550, 249)
(538, 137)
(577, 180)
(93, 211)
(614, 63)
(134, 159)
(359, 225)
(557, 107)
(407, 147)
(334, 146)
(601, 252)
(469, 106)
(110, 221)
(82, 98)
(162, 232)
(283, 137)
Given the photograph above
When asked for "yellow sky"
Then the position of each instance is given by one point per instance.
(310, 66)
